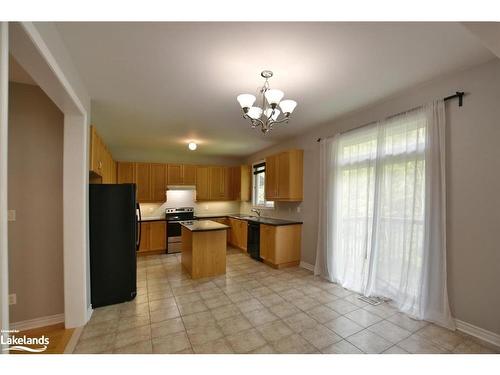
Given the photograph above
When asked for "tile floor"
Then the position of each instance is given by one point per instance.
(255, 309)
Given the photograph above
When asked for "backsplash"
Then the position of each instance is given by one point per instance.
(186, 198)
(281, 210)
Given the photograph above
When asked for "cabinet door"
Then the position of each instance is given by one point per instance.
(233, 223)
(272, 175)
(125, 173)
(202, 184)
(245, 183)
(143, 181)
(158, 235)
(174, 174)
(267, 241)
(145, 244)
(243, 234)
(158, 182)
(216, 180)
(235, 183)
(189, 174)
(283, 175)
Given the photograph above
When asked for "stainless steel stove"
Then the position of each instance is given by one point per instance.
(174, 216)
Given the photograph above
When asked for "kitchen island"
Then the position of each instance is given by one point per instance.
(204, 246)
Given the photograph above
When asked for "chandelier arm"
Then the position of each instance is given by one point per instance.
(286, 119)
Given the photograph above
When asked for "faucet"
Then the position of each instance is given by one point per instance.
(256, 210)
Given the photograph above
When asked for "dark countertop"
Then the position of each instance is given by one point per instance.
(265, 220)
(203, 225)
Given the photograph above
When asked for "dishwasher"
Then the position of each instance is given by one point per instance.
(253, 240)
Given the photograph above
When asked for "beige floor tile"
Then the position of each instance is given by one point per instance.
(293, 344)
(167, 327)
(274, 331)
(203, 334)
(305, 303)
(211, 293)
(271, 299)
(342, 306)
(198, 319)
(395, 350)
(215, 302)
(323, 297)
(188, 308)
(383, 310)
(369, 342)
(469, 346)
(260, 316)
(284, 309)
(186, 298)
(320, 336)
(249, 305)
(389, 331)
(124, 324)
(173, 343)
(234, 324)
(300, 321)
(291, 294)
(418, 345)
(164, 314)
(406, 322)
(343, 327)
(341, 347)
(363, 317)
(246, 341)
(322, 314)
(129, 309)
(219, 346)
(261, 292)
(132, 336)
(266, 349)
(162, 304)
(142, 347)
(225, 311)
(96, 344)
(99, 329)
(240, 295)
(442, 337)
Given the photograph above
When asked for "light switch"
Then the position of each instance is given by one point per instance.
(12, 299)
(12, 215)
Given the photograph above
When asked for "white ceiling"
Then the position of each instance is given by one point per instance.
(155, 86)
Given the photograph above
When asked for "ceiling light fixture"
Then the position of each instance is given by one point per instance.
(271, 98)
(192, 146)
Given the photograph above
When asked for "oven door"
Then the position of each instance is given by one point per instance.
(174, 240)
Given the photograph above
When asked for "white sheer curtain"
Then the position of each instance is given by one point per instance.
(382, 216)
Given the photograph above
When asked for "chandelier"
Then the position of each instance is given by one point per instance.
(268, 115)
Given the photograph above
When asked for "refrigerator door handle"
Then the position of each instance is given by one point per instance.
(139, 229)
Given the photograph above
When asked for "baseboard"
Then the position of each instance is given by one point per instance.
(478, 332)
(38, 322)
(90, 310)
(70, 347)
(307, 266)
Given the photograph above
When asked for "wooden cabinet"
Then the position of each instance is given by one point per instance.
(280, 245)
(125, 172)
(245, 183)
(239, 233)
(284, 176)
(102, 167)
(158, 182)
(181, 174)
(219, 183)
(153, 237)
(202, 183)
(143, 181)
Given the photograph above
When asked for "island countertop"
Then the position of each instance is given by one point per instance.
(203, 225)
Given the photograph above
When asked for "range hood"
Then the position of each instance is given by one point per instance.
(181, 187)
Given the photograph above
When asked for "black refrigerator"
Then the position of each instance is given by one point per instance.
(114, 240)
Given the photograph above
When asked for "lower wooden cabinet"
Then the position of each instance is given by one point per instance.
(280, 245)
(153, 237)
(238, 234)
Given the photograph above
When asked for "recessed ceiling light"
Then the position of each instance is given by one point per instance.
(192, 146)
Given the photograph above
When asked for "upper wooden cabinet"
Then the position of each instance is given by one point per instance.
(143, 181)
(202, 183)
(181, 174)
(158, 182)
(101, 163)
(219, 183)
(125, 172)
(284, 176)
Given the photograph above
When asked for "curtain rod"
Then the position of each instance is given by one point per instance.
(458, 94)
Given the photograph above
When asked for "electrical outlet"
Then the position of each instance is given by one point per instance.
(12, 299)
(12, 215)
(298, 209)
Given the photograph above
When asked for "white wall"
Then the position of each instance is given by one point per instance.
(473, 185)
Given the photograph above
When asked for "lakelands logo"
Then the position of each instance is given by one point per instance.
(20, 343)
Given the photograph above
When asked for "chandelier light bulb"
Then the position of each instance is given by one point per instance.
(274, 116)
(287, 106)
(255, 112)
(192, 146)
(274, 96)
(246, 100)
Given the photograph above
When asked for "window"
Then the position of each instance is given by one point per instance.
(259, 186)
